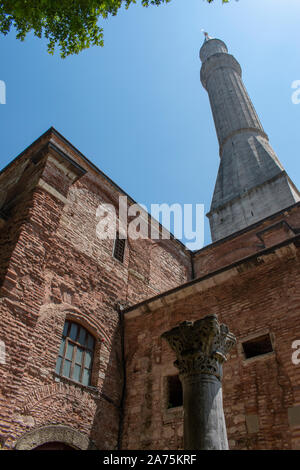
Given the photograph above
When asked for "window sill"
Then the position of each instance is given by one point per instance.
(88, 388)
(259, 357)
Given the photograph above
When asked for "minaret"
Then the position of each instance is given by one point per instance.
(251, 183)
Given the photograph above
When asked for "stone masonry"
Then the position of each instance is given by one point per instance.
(250, 173)
(54, 268)
(253, 295)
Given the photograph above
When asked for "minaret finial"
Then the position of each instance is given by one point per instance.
(207, 37)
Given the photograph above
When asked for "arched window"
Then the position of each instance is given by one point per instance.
(75, 357)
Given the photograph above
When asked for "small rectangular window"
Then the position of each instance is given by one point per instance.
(174, 392)
(257, 346)
(119, 248)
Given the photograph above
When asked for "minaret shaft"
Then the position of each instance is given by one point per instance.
(231, 106)
(251, 182)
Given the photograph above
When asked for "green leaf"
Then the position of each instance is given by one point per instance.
(70, 25)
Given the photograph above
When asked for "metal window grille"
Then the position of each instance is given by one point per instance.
(119, 248)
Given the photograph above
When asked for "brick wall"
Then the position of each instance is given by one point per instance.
(53, 267)
(256, 297)
(266, 233)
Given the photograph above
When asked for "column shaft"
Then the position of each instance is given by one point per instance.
(204, 421)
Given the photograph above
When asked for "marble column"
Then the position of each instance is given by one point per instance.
(201, 348)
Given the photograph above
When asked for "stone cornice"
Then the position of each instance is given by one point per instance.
(63, 161)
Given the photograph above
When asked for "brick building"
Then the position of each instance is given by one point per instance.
(82, 361)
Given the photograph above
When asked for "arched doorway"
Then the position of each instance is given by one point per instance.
(55, 446)
(55, 437)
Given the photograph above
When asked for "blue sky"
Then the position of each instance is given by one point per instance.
(136, 107)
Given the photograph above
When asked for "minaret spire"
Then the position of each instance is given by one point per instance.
(251, 183)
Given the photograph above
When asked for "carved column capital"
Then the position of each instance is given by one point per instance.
(201, 346)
